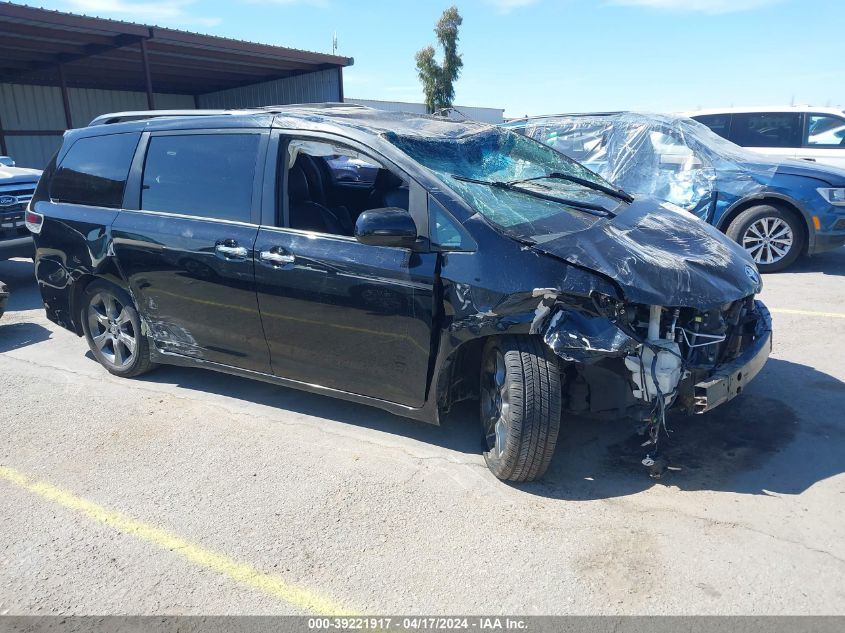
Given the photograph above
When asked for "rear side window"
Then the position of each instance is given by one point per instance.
(206, 175)
(767, 129)
(94, 170)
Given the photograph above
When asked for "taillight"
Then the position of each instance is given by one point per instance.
(34, 221)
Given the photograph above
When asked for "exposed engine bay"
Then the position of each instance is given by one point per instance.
(640, 361)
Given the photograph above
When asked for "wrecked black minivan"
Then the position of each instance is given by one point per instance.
(461, 261)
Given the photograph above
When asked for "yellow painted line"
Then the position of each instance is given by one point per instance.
(813, 313)
(242, 573)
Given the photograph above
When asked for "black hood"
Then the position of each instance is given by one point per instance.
(660, 255)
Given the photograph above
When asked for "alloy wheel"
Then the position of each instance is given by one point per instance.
(495, 403)
(112, 329)
(768, 240)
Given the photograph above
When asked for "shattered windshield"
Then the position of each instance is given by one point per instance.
(469, 164)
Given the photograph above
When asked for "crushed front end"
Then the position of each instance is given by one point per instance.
(639, 361)
(695, 359)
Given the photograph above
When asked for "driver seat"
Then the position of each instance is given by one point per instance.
(305, 214)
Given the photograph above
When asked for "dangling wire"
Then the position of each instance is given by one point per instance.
(657, 417)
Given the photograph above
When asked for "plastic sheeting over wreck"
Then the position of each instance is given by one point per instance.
(660, 156)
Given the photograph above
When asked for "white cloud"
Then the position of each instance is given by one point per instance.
(701, 6)
(506, 6)
(170, 12)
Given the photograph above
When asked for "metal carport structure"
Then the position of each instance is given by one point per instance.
(60, 70)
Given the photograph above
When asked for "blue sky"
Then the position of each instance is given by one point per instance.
(539, 56)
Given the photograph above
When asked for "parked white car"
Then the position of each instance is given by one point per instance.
(806, 132)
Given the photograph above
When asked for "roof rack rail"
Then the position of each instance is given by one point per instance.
(140, 115)
(327, 105)
(122, 117)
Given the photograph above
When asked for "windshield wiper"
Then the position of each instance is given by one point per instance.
(624, 196)
(586, 207)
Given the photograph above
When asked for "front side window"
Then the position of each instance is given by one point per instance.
(767, 129)
(94, 171)
(823, 130)
(205, 175)
(330, 184)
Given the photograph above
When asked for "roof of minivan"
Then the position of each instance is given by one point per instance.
(839, 111)
(318, 117)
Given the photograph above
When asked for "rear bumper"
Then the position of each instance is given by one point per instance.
(730, 379)
(17, 247)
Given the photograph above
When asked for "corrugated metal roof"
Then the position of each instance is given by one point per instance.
(104, 53)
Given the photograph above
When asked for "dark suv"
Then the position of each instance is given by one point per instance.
(463, 261)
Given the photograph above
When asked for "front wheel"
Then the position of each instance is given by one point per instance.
(773, 237)
(113, 330)
(520, 406)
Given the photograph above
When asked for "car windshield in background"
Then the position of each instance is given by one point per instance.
(470, 164)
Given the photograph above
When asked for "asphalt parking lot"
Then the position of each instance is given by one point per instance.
(189, 492)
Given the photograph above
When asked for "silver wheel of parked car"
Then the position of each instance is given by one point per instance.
(520, 406)
(768, 240)
(113, 330)
(772, 236)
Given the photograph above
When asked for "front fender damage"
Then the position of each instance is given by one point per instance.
(564, 314)
(581, 338)
(477, 311)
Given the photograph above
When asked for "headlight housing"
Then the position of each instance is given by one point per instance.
(833, 195)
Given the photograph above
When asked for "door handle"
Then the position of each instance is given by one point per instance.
(276, 256)
(230, 248)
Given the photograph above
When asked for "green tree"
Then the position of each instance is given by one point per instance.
(438, 79)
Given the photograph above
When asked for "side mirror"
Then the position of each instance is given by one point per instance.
(390, 226)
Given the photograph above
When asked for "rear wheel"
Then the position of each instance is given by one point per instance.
(774, 238)
(520, 406)
(4, 296)
(113, 330)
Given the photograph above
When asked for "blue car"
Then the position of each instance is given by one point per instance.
(777, 209)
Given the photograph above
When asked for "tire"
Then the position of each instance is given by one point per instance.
(112, 328)
(520, 406)
(751, 228)
(4, 297)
